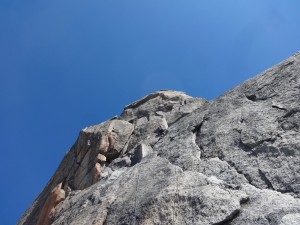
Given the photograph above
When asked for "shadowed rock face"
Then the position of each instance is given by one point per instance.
(173, 159)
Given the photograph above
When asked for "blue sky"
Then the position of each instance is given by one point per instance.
(68, 64)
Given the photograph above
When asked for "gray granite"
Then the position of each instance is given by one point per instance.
(173, 159)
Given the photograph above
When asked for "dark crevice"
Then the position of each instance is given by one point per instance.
(137, 117)
(115, 118)
(251, 97)
(263, 86)
(278, 107)
(250, 147)
(105, 222)
(197, 131)
(87, 151)
(160, 132)
(183, 115)
(291, 112)
(254, 98)
(197, 128)
(229, 219)
(125, 149)
(265, 179)
(290, 191)
(270, 140)
(131, 121)
(246, 148)
(232, 164)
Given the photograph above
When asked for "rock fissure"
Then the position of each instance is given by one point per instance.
(256, 144)
(197, 131)
(291, 112)
(246, 148)
(232, 164)
(135, 199)
(125, 149)
(279, 107)
(182, 116)
(265, 179)
(228, 220)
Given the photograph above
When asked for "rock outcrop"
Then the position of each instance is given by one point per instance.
(173, 159)
(56, 196)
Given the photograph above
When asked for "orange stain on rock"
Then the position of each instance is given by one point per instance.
(56, 196)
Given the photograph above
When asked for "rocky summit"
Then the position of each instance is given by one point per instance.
(173, 159)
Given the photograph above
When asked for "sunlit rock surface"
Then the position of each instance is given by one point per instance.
(173, 159)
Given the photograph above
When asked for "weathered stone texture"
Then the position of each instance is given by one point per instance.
(173, 159)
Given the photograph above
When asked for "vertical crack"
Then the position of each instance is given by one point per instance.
(232, 164)
(135, 199)
(197, 132)
(246, 148)
(265, 179)
(176, 196)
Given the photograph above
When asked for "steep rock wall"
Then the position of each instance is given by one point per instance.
(173, 159)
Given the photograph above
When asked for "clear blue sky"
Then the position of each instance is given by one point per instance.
(67, 64)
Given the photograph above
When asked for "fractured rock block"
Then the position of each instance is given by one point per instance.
(140, 152)
(56, 196)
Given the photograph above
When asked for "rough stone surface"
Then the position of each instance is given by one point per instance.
(56, 196)
(140, 152)
(173, 159)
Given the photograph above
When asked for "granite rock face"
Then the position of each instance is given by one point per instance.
(173, 159)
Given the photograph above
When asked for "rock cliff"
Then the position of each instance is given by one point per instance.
(173, 159)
